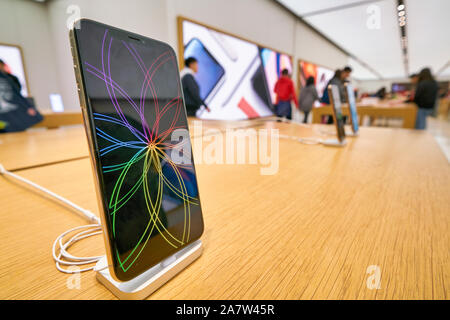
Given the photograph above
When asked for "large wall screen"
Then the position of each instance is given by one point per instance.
(236, 77)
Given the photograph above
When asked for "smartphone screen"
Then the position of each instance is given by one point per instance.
(210, 72)
(352, 107)
(333, 92)
(134, 104)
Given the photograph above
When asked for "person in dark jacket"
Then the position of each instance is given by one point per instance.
(16, 112)
(381, 93)
(414, 78)
(338, 81)
(12, 77)
(425, 97)
(308, 95)
(191, 89)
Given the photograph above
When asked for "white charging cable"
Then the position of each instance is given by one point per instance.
(61, 245)
(298, 139)
(302, 140)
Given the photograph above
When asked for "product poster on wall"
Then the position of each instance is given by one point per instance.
(236, 77)
(320, 74)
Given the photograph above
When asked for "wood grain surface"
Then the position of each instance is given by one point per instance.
(308, 232)
(39, 147)
(406, 112)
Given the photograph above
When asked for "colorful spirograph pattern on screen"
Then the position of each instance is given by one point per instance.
(135, 147)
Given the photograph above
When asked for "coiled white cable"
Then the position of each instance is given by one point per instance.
(60, 246)
(65, 258)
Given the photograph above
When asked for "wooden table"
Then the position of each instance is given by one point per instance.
(309, 232)
(54, 120)
(444, 108)
(407, 112)
(58, 119)
(34, 148)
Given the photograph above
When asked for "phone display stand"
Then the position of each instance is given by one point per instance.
(351, 134)
(328, 133)
(145, 284)
(334, 143)
(333, 133)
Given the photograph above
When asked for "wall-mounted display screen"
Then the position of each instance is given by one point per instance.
(274, 62)
(236, 77)
(320, 74)
(400, 87)
(12, 57)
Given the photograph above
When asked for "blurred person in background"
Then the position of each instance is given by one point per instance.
(16, 112)
(338, 81)
(308, 95)
(191, 89)
(345, 78)
(381, 93)
(346, 72)
(414, 78)
(425, 97)
(285, 91)
(13, 78)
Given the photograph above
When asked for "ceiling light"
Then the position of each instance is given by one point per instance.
(401, 14)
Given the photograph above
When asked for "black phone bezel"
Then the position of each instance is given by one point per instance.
(92, 140)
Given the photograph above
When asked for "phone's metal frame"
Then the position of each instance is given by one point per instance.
(333, 106)
(355, 132)
(88, 125)
(90, 141)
